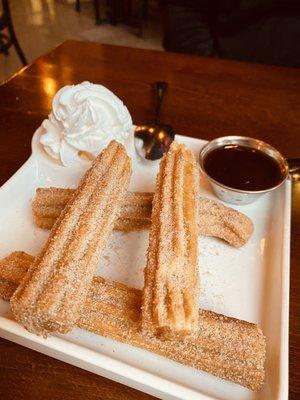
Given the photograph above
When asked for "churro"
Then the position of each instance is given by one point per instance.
(223, 222)
(214, 218)
(49, 203)
(171, 278)
(225, 347)
(229, 348)
(12, 270)
(54, 288)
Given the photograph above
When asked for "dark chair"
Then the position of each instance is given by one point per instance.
(122, 11)
(118, 10)
(142, 14)
(10, 39)
(98, 20)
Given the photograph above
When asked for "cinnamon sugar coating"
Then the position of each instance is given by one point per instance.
(171, 277)
(228, 348)
(52, 292)
(214, 218)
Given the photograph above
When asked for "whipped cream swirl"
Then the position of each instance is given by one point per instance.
(84, 119)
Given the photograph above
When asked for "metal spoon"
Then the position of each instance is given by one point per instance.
(294, 168)
(152, 141)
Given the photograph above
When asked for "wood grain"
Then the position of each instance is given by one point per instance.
(27, 374)
(206, 98)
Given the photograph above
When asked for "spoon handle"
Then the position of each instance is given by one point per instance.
(294, 165)
(160, 89)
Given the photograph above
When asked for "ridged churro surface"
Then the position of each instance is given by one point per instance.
(53, 290)
(12, 270)
(134, 215)
(171, 277)
(214, 218)
(226, 347)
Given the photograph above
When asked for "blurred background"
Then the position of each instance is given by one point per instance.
(261, 31)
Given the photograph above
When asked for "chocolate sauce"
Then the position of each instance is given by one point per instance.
(243, 168)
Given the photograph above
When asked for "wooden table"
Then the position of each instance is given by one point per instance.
(206, 98)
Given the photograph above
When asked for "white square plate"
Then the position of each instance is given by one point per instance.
(250, 283)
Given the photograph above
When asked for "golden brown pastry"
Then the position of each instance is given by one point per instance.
(171, 277)
(214, 218)
(225, 347)
(51, 294)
